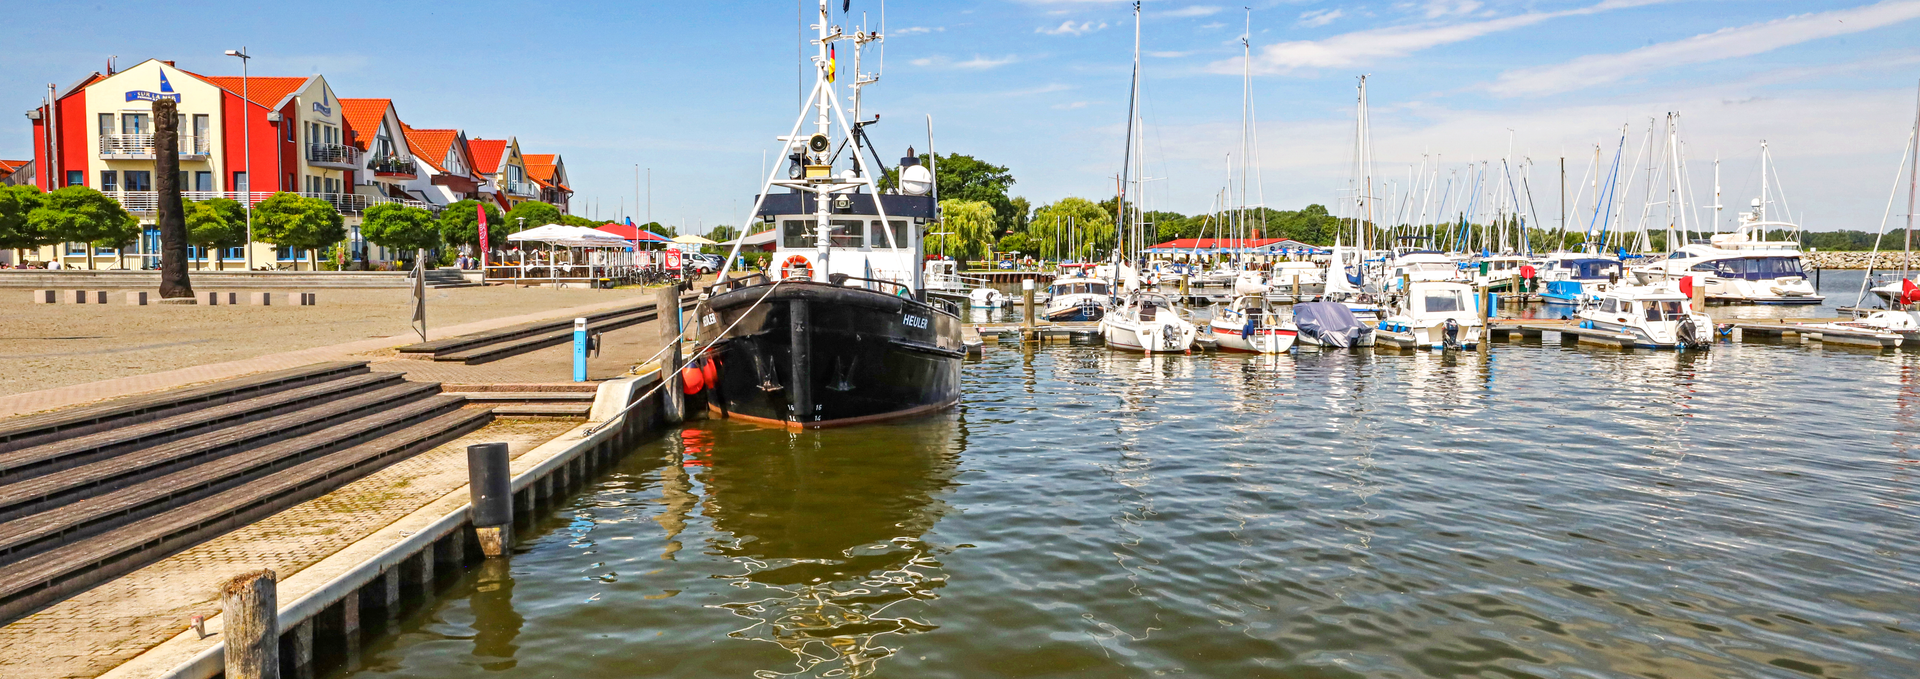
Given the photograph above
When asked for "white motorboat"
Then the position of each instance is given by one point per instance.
(1906, 324)
(986, 298)
(1657, 315)
(1149, 322)
(1292, 277)
(1743, 267)
(1498, 272)
(1330, 324)
(1250, 282)
(1251, 323)
(1568, 277)
(1075, 296)
(943, 282)
(1433, 315)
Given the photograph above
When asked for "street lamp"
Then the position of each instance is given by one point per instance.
(246, 141)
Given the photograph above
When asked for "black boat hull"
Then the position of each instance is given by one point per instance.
(804, 354)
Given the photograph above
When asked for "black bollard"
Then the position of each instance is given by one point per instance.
(490, 485)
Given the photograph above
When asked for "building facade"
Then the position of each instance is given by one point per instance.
(246, 138)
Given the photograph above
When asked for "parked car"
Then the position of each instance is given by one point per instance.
(705, 263)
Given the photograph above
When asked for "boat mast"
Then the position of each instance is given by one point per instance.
(1913, 182)
(1761, 213)
(1126, 164)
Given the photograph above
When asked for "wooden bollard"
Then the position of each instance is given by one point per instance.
(490, 487)
(1026, 298)
(251, 614)
(666, 307)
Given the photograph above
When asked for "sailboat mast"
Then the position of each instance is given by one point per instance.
(1765, 198)
(1913, 182)
(1133, 107)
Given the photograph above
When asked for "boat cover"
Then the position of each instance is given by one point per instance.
(1329, 322)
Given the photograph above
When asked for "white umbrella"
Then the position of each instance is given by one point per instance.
(691, 239)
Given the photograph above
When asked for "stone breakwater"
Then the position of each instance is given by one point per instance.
(1852, 260)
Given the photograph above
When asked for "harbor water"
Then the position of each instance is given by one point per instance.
(1532, 511)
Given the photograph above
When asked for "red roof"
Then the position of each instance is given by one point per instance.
(363, 118)
(630, 233)
(486, 154)
(1216, 243)
(430, 145)
(8, 167)
(263, 90)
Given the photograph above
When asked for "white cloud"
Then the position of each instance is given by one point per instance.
(1213, 25)
(1070, 28)
(914, 30)
(977, 63)
(1360, 47)
(1726, 43)
(1440, 8)
(1168, 55)
(1319, 17)
(1192, 11)
(1074, 105)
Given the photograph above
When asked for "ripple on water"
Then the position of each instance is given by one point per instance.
(1534, 511)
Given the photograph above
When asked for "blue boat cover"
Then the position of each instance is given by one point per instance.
(1329, 322)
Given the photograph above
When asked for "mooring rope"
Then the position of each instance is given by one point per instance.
(666, 377)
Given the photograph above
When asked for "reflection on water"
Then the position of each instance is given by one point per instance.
(1530, 511)
(827, 537)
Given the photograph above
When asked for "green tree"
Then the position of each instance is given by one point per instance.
(1017, 241)
(119, 235)
(77, 214)
(577, 220)
(400, 227)
(16, 202)
(214, 225)
(460, 224)
(291, 221)
(967, 228)
(1078, 228)
(963, 177)
(535, 213)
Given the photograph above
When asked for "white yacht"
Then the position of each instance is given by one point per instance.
(1658, 315)
(1498, 272)
(943, 281)
(1434, 315)
(1076, 296)
(1253, 324)
(1422, 265)
(1250, 282)
(1568, 277)
(1306, 277)
(1738, 269)
(1149, 322)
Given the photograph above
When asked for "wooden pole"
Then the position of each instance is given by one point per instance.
(171, 215)
(666, 304)
(252, 619)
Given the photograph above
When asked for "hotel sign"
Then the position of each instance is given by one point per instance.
(321, 108)
(166, 92)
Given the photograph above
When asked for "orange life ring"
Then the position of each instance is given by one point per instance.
(799, 262)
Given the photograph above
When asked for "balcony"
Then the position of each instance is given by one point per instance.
(392, 167)
(522, 189)
(336, 156)
(148, 202)
(140, 147)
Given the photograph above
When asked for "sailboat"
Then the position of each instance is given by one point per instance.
(1346, 280)
(1744, 267)
(842, 331)
(1901, 292)
(1143, 319)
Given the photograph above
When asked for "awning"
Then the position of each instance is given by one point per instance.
(624, 232)
(569, 236)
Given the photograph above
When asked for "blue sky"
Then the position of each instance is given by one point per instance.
(697, 90)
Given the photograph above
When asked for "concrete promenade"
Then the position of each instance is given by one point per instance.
(136, 625)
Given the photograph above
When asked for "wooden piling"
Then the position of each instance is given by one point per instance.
(297, 651)
(667, 308)
(251, 613)
(490, 492)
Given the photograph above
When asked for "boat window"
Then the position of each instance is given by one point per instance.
(1704, 266)
(1436, 301)
(1678, 255)
(1663, 310)
(877, 238)
(1610, 305)
(1097, 288)
(796, 233)
(847, 233)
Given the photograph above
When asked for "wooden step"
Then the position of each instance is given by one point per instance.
(528, 396)
(72, 452)
(32, 430)
(543, 410)
(500, 350)
(60, 572)
(25, 536)
(30, 496)
(478, 339)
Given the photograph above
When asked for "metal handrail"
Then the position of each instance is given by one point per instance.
(522, 189)
(391, 165)
(322, 152)
(142, 145)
